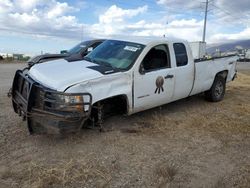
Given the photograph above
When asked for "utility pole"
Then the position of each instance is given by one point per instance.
(205, 23)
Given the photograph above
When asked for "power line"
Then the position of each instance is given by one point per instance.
(206, 15)
(226, 12)
(188, 11)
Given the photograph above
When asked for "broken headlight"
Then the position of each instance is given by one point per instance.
(66, 102)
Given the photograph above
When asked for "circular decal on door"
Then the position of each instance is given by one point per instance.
(159, 84)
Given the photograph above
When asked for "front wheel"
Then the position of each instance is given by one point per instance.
(217, 91)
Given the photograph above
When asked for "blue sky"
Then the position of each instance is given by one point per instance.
(36, 26)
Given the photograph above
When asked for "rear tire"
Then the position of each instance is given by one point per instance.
(217, 91)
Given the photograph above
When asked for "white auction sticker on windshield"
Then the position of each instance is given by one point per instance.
(131, 48)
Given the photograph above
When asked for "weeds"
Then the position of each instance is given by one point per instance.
(165, 174)
(67, 174)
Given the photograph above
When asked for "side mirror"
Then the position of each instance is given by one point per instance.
(64, 52)
(142, 70)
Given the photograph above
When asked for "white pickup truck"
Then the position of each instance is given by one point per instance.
(124, 76)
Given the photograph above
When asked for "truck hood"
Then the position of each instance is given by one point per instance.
(61, 74)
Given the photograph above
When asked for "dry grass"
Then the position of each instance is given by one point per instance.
(165, 174)
(231, 115)
(70, 173)
(189, 143)
(66, 174)
(240, 178)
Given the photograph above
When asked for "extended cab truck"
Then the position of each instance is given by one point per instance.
(125, 76)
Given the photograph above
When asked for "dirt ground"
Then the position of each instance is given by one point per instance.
(188, 143)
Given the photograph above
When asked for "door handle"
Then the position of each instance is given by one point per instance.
(169, 76)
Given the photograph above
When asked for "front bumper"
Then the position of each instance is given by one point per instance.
(34, 103)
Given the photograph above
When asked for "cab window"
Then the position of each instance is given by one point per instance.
(180, 54)
(157, 58)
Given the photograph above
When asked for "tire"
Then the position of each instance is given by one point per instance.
(217, 91)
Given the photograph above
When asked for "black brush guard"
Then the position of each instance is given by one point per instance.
(35, 104)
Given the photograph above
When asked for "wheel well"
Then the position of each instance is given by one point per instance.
(223, 74)
(114, 105)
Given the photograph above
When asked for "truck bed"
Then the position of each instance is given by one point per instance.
(205, 71)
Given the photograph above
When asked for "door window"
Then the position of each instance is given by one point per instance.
(157, 58)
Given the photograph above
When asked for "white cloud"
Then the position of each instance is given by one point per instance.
(25, 5)
(183, 23)
(24, 18)
(116, 21)
(55, 18)
(39, 17)
(223, 17)
(235, 7)
(117, 14)
(5, 6)
(220, 11)
(185, 29)
(113, 21)
(221, 37)
(59, 9)
(187, 4)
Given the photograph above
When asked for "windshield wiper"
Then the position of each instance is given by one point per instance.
(100, 62)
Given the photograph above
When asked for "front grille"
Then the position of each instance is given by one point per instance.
(44, 99)
(32, 99)
(49, 101)
(38, 96)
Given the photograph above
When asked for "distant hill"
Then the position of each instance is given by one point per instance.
(226, 47)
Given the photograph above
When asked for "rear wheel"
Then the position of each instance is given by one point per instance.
(217, 91)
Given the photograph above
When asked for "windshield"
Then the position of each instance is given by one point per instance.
(78, 48)
(117, 54)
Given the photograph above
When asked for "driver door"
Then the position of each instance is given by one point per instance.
(154, 82)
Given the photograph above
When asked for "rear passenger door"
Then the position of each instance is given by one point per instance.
(154, 82)
(184, 71)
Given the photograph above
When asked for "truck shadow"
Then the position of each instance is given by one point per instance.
(129, 124)
(134, 123)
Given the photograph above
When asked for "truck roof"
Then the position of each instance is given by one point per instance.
(148, 40)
